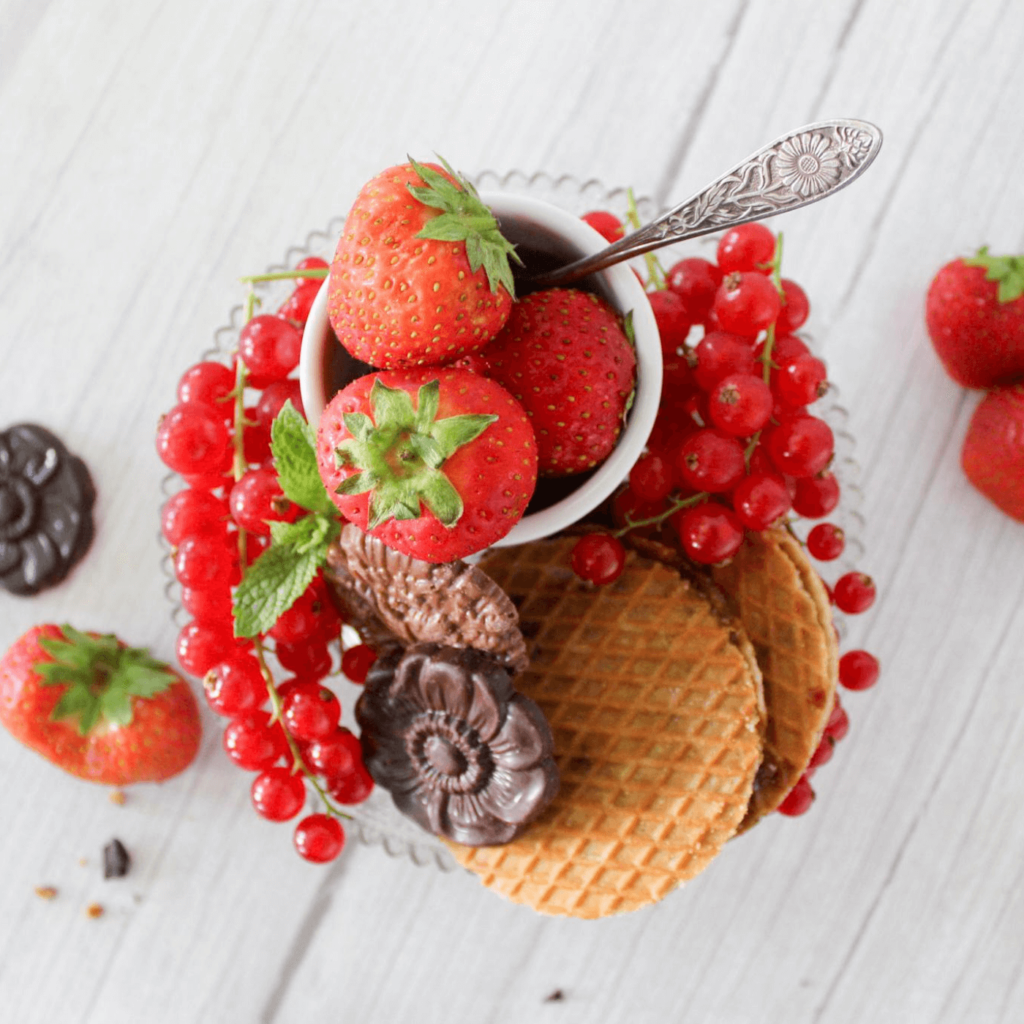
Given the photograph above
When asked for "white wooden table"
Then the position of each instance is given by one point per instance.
(150, 154)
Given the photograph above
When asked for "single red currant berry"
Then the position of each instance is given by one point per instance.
(720, 354)
(302, 619)
(709, 533)
(795, 308)
(606, 224)
(650, 479)
(672, 320)
(711, 461)
(201, 645)
(746, 247)
(235, 685)
(760, 500)
(269, 346)
(854, 592)
(295, 309)
(205, 560)
(822, 753)
(193, 439)
(816, 496)
(209, 604)
(858, 670)
(335, 755)
(257, 499)
(826, 542)
(746, 303)
(319, 838)
(784, 348)
(357, 661)
(211, 383)
(253, 742)
(277, 794)
(313, 263)
(311, 711)
(309, 660)
(799, 799)
(838, 724)
(801, 446)
(255, 440)
(273, 398)
(695, 281)
(352, 788)
(801, 381)
(191, 512)
(740, 404)
(598, 558)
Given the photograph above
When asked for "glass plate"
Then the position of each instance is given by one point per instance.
(376, 821)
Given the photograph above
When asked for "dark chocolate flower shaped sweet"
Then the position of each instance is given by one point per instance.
(46, 499)
(462, 753)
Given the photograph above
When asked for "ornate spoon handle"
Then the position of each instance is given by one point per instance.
(798, 169)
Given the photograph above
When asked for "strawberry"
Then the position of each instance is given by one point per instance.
(975, 317)
(96, 708)
(993, 451)
(421, 274)
(438, 478)
(565, 355)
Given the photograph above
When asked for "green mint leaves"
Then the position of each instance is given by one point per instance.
(465, 218)
(279, 576)
(101, 677)
(398, 454)
(1007, 270)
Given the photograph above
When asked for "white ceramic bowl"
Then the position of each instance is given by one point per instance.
(540, 226)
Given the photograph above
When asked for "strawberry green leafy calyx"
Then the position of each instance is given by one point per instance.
(464, 218)
(101, 676)
(1007, 271)
(400, 452)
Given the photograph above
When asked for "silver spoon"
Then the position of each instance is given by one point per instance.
(795, 170)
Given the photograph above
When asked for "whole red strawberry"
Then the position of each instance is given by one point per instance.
(421, 274)
(565, 355)
(437, 463)
(993, 451)
(96, 708)
(975, 316)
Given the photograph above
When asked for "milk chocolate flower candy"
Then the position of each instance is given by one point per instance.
(462, 753)
(46, 499)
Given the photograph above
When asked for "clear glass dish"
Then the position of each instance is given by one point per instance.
(376, 821)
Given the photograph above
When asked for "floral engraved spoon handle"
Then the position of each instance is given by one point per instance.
(795, 170)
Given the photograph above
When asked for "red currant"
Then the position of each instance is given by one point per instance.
(235, 685)
(598, 558)
(311, 711)
(273, 398)
(740, 404)
(799, 799)
(650, 479)
(606, 224)
(826, 542)
(269, 346)
(312, 263)
(695, 281)
(277, 794)
(310, 660)
(201, 645)
(858, 670)
(191, 512)
(816, 496)
(761, 500)
(838, 724)
(193, 439)
(296, 307)
(671, 318)
(746, 247)
(822, 753)
(255, 440)
(720, 354)
(746, 303)
(801, 381)
(319, 838)
(709, 533)
(208, 604)
(711, 461)
(854, 593)
(335, 755)
(801, 446)
(795, 308)
(353, 788)
(205, 560)
(257, 499)
(357, 661)
(302, 619)
(211, 383)
(253, 742)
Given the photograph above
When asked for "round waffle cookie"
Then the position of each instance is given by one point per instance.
(785, 610)
(655, 705)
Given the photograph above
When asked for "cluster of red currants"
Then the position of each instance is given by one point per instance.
(216, 526)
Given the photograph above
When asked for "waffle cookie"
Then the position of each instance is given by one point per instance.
(655, 705)
(785, 610)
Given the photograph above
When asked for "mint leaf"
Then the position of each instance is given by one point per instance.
(294, 448)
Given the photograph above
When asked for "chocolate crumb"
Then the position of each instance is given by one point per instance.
(115, 859)
(118, 797)
(94, 910)
(46, 892)
(557, 996)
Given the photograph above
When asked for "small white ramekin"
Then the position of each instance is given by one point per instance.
(534, 224)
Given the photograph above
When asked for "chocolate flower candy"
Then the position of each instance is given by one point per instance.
(462, 753)
(46, 498)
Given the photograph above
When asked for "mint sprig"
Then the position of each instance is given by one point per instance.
(1007, 270)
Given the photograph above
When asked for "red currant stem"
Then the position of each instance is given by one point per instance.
(311, 273)
(752, 444)
(677, 505)
(655, 271)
